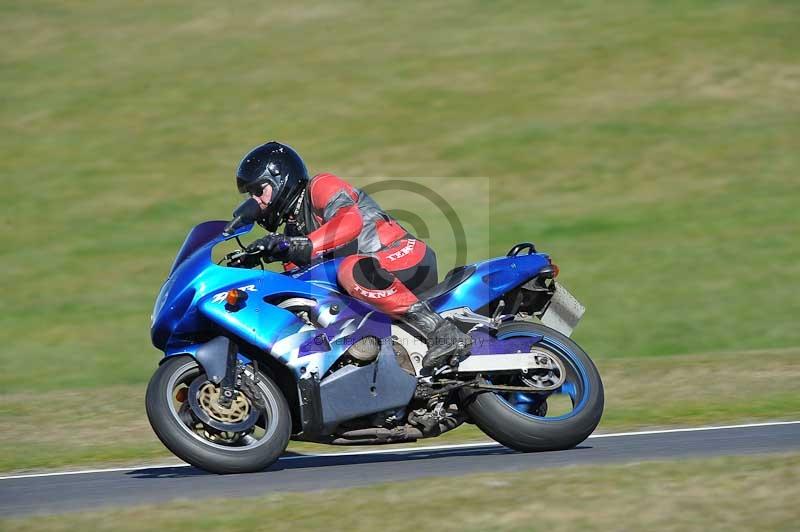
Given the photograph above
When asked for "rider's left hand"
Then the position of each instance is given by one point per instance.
(266, 245)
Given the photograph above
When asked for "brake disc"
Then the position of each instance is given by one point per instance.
(204, 402)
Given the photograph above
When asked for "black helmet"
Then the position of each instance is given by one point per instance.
(280, 166)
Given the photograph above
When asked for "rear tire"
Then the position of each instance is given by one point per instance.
(525, 432)
(207, 455)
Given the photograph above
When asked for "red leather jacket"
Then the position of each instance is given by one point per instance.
(335, 215)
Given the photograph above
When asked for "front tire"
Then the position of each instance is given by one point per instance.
(170, 423)
(528, 432)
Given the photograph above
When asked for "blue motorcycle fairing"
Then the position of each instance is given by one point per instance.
(492, 279)
(186, 302)
(194, 276)
(320, 273)
(177, 292)
(191, 310)
(292, 342)
(191, 306)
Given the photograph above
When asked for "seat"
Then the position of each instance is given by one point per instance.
(454, 277)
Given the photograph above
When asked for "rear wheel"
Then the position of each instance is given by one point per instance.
(541, 421)
(248, 436)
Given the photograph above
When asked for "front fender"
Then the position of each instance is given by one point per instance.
(212, 356)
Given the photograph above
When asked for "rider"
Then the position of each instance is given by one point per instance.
(384, 265)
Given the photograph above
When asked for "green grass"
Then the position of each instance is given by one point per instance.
(66, 429)
(732, 493)
(652, 148)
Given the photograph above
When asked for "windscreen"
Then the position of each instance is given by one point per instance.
(197, 238)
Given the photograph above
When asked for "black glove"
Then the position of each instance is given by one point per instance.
(296, 249)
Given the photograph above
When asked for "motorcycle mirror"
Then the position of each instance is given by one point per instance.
(246, 213)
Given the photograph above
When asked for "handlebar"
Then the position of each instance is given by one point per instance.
(251, 255)
(241, 258)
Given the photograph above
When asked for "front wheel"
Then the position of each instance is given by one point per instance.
(540, 421)
(182, 409)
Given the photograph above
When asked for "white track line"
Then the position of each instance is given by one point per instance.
(407, 449)
(695, 429)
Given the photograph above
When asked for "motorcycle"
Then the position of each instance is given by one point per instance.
(254, 358)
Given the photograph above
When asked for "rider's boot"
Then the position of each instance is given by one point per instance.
(444, 339)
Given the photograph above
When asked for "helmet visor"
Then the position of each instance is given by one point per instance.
(255, 189)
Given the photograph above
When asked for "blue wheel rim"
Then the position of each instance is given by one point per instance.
(576, 387)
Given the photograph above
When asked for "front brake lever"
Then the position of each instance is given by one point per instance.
(237, 258)
(238, 253)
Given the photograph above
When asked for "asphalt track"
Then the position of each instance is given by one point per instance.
(76, 491)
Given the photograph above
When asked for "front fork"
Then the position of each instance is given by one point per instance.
(232, 380)
(219, 357)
